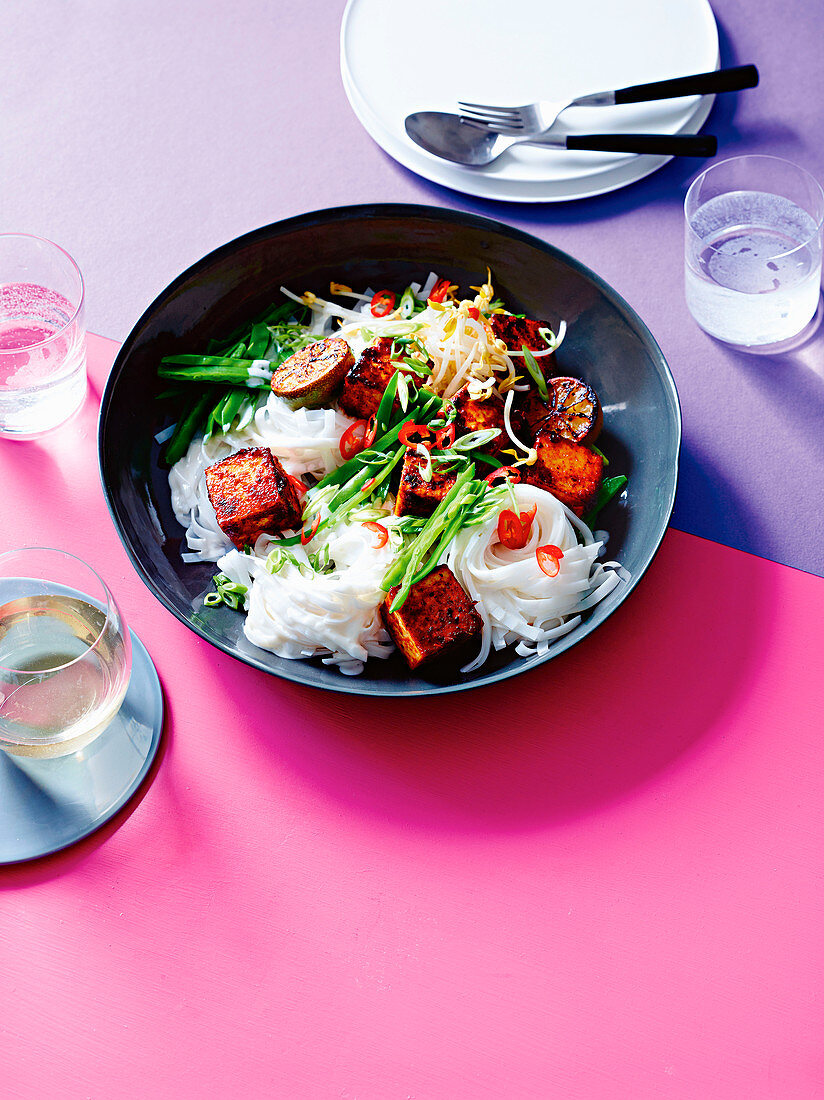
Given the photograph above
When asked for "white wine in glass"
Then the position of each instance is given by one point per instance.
(65, 653)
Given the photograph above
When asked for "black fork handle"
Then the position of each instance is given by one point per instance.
(721, 80)
(671, 145)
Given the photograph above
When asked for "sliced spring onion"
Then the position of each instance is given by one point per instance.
(227, 592)
(406, 306)
(426, 468)
(421, 369)
(475, 439)
(408, 565)
(403, 390)
(531, 365)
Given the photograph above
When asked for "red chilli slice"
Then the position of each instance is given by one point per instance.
(527, 518)
(508, 473)
(445, 437)
(439, 291)
(380, 532)
(511, 531)
(382, 303)
(370, 433)
(549, 559)
(411, 428)
(297, 485)
(307, 538)
(353, 440)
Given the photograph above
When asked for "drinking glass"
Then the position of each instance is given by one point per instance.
(753, 251)
(42, 336)
(65, 653)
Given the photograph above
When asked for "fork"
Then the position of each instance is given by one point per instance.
(534, 118)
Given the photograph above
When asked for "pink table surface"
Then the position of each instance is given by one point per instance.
(601, 879)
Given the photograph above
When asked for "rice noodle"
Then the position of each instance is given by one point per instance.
(518, 603)
(298, 613)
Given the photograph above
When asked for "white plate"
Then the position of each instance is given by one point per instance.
(454, 49)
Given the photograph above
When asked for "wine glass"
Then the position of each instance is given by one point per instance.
(65, 653)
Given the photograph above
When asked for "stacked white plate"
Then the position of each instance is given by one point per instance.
(401, 58)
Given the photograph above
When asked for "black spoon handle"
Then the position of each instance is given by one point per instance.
(675, 145)
(721, 80)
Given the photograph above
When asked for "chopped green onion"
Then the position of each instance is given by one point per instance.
(406, 306)
(475, 439)
(421, 369)
(277, 558)
(537, 374)
(426, 469)
(408, 565)
(403, 390)
(227, 592)
(322, 561)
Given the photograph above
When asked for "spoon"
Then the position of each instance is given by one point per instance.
(447, 136)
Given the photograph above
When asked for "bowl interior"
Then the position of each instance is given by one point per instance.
(386, 246)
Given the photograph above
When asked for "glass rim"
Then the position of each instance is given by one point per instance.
(111, 605)
(819, 221)
(81, 300)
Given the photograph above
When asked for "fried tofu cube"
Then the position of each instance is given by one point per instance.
(415, 496)
(437, 622)
(517, 331)
(364, 383)
(252, 495)
(572, 472)
(472, 415)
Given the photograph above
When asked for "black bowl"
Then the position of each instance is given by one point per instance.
(386, 246)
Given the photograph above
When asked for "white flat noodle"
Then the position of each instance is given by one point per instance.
(517, 601)
(429, 285)
(334, 615)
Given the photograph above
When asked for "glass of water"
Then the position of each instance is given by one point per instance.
(753, 252)
(42, 336)
(65, 653)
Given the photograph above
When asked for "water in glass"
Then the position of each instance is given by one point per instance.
(753, 267)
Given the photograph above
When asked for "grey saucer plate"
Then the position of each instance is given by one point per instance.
(47, 805)
(386, 246)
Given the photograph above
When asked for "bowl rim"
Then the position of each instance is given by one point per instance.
(354, 685)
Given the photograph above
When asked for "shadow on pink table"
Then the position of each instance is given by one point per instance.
(562, 741)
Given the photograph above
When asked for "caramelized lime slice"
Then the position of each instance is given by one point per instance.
(577, 413)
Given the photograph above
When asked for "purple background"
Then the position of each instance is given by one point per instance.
(142, 136)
